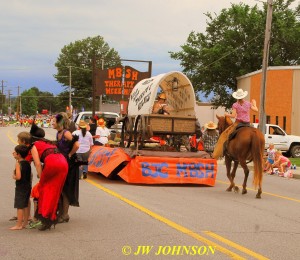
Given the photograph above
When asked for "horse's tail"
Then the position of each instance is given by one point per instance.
(257, 150)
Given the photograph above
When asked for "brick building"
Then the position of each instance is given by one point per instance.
(282, 104)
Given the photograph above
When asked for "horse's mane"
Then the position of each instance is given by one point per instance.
(224, 122)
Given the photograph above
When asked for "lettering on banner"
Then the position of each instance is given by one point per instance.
(101, 157)
(183, 170)
(195, 170)
(154, 169)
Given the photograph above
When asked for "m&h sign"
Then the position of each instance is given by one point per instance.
(118, 82)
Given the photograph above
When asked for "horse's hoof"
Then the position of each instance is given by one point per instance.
(229, 189)
(236, 189)
(244, 192)
(258, 196)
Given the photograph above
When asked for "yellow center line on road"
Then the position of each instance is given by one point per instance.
(234, 245)
(267, 193)
(181, 228)
(8, 134)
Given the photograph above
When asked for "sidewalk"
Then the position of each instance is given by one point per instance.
(296, 173)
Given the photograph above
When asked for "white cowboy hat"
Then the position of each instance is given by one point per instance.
(240, 94)
(210, 125)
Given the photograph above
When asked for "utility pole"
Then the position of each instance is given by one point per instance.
(2, 100)
(2, 85)
(2, 97)
(94, 85)
(100, 100)
(70, 88)
(262, 112)
(9, 103)
(19, 106)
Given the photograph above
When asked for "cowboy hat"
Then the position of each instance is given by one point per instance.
(82, 124)
(101, 122)
(210, 125)
(162, 96)
(240, 94)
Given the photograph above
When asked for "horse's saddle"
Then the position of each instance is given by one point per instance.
(236, 130)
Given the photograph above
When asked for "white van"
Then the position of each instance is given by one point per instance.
(109, 117)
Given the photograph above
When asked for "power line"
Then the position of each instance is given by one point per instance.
(228, 53)
(50, 97)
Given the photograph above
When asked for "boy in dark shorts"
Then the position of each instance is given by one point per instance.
(22, 175)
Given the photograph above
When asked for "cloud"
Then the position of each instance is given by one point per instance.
(36, 31)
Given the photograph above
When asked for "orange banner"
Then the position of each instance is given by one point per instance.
(106, 160)
(158, 170)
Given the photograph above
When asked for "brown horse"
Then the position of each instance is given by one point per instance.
(246, 146)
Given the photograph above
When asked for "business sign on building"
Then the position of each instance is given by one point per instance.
(118, 82)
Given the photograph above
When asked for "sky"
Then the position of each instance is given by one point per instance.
(34, 32)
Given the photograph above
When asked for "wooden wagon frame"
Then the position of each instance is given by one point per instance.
(141, 124)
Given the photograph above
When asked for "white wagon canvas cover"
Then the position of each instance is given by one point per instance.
(182, 100)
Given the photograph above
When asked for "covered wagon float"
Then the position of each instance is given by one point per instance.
(139, 159)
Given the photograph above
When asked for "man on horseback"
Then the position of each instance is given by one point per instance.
(241, 113)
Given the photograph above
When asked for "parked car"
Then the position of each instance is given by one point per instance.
(281, 140)
(109, 117)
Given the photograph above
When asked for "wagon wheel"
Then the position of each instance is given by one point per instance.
(126, 134)
(139, 132)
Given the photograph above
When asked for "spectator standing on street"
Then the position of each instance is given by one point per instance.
(72, 126)
(210, 137)
(25, 138)
(68, 146)
(85, 143)
(93, 127)
(22, 175)
(52, 176)
(270, 159)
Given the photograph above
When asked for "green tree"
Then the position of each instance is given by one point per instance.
(233, 46)
(48, 101)
(77, 59)
(29, 99)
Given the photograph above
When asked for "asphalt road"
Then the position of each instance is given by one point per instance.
(117, 220)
